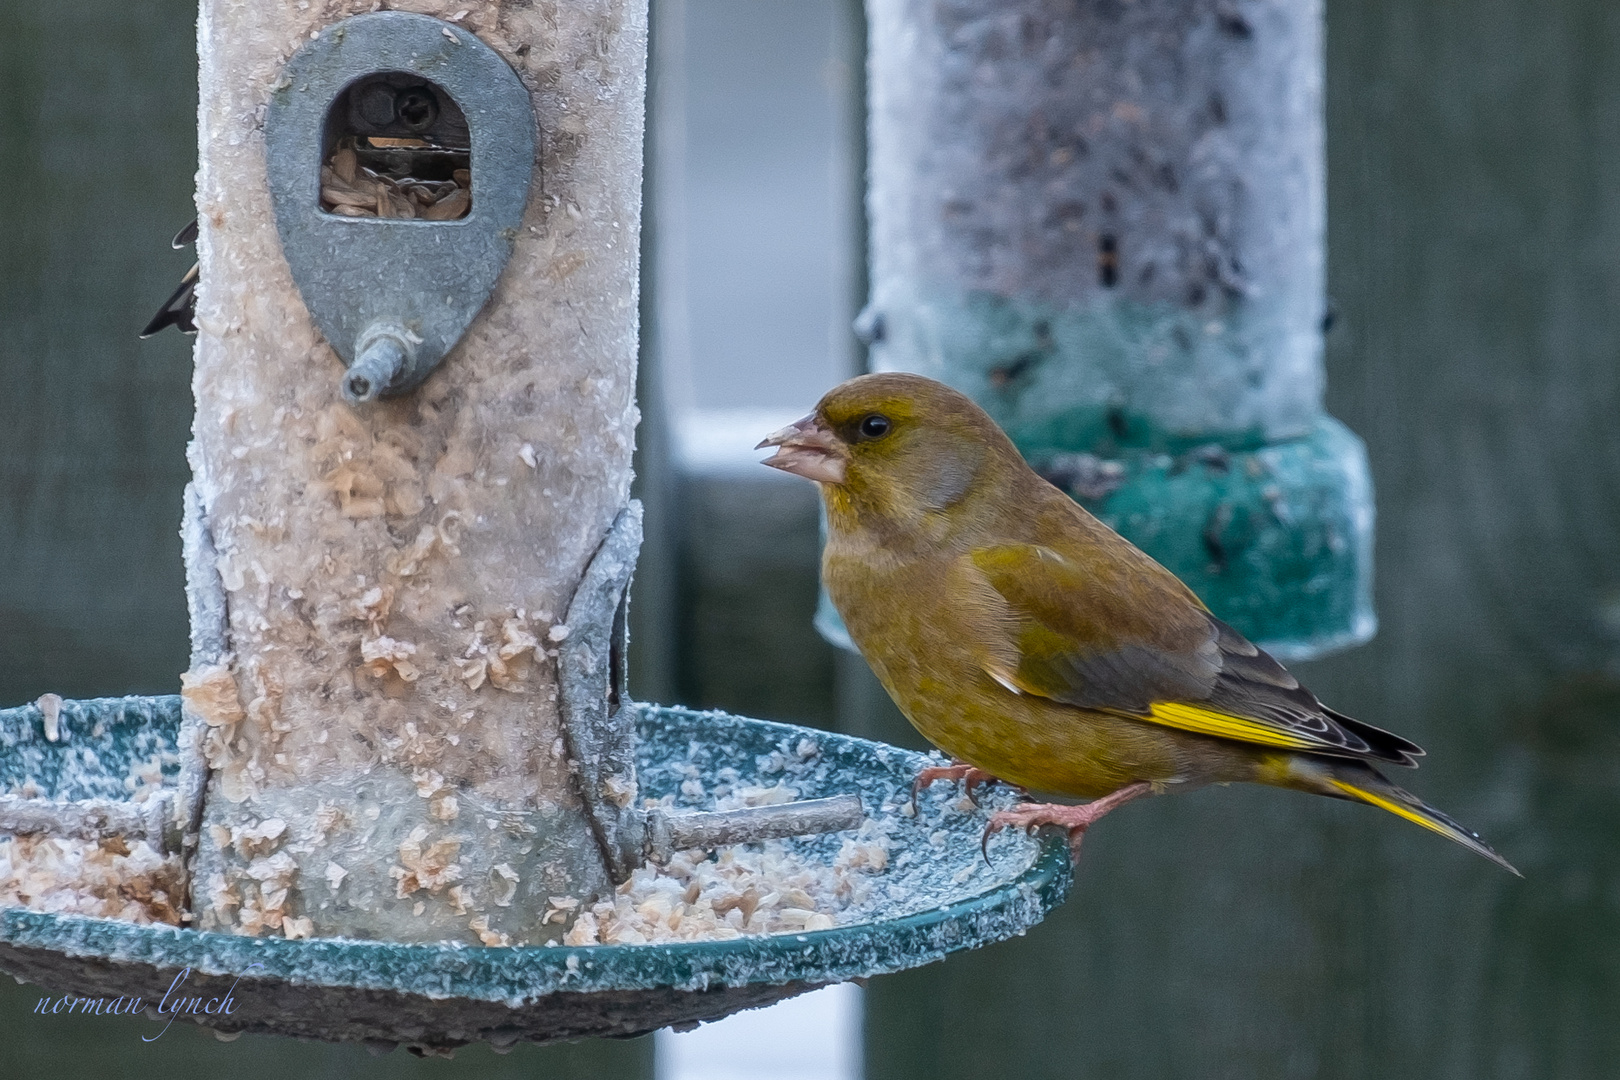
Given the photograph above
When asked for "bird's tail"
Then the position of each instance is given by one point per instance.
(1362, 783)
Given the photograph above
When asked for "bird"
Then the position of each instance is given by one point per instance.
(180, 309)
(1038, 647)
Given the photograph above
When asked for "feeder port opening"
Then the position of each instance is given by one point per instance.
(398, 146)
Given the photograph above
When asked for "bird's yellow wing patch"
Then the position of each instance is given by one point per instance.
(1208, 722)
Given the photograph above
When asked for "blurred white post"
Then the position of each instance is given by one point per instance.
(815, 1036)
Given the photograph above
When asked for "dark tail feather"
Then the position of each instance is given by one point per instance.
(1387, 745)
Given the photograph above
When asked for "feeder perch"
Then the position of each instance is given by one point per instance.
(1105, 225)
(404, 779)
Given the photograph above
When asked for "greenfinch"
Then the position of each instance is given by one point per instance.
(1035, 645)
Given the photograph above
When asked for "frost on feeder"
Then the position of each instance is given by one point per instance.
(403, 795)
(1105, 225)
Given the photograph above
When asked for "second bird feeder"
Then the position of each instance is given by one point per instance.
(1104, 222)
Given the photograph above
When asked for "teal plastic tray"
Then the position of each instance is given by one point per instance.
(937, 896)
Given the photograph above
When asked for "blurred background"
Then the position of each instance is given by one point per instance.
(1474, 266)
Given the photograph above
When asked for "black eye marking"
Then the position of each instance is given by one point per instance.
(874, 426)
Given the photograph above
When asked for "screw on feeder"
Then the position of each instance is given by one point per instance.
(416, 107)
(384, 358)
(360, 385)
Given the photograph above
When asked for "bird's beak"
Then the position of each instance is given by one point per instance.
(807, 449)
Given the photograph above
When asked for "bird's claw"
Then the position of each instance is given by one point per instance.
(984, 841)
(1074, 820)
(972, 778)
(1029, 818)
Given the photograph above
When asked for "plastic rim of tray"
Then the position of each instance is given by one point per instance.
(435, 997)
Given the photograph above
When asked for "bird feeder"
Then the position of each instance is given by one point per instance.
(1105, 225)
(404, 791)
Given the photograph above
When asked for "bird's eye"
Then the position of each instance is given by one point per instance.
(875, 426)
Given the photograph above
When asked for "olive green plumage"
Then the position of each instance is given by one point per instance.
(1020, 634)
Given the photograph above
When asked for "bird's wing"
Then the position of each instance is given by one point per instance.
(1126, 637)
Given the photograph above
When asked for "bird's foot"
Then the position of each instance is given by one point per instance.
(1073, 819)
(971, 776)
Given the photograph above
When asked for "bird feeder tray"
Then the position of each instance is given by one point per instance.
(937, 895)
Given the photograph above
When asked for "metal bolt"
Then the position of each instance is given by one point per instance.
(381, 357)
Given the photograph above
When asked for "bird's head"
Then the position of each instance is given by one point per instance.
(893, 446)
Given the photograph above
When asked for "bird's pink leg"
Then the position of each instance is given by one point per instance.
(971, 776)
(1075, 819)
